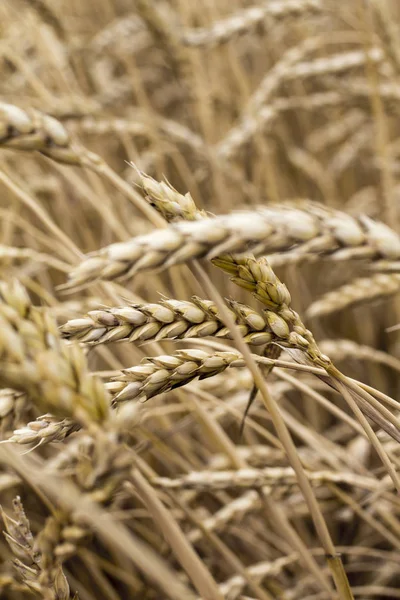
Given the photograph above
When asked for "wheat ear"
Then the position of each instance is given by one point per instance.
(32, 130)
(247, 19)
(258, 277)
(43, 430)
(259, 478)
(302, 230)
(30, 561)
(35, 360)
(168, 201)
(169, 319)
(359, 291)
(12, 406)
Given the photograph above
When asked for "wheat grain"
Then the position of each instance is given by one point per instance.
(31, 130)
(163, 373)
(170, 203)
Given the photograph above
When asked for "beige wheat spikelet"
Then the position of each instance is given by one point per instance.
(35, 360)
(31, 130)
(169, 319)
(246, 20)
(301, 230)
(45, 580)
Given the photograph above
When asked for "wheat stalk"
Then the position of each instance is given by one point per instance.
(258, 277)
(233, 511)
(17, 254)
(388, 32)
(120, 30)
(261, 108)
(165, 38)
(233, 587)
(41, 567)
(331, 134)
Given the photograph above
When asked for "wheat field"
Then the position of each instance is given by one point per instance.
(199, 299)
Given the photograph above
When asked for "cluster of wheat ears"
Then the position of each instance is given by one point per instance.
(199, 261)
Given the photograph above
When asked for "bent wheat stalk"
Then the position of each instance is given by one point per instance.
(342, 349)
